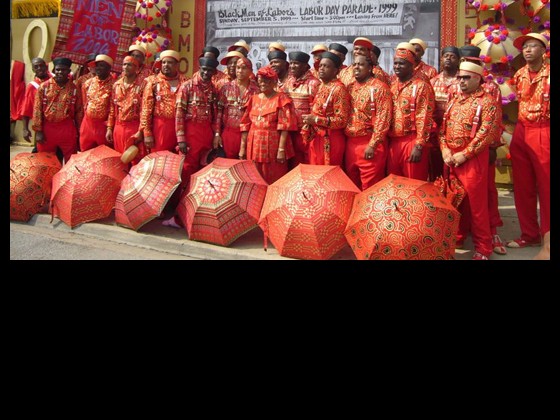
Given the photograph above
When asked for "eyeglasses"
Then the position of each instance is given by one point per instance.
(464, 77)
(531, 46)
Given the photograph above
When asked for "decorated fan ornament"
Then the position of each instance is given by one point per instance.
(154, 33)
(536, 9)
(495, 41)
(528, 16)
(149, 10)
(490, 5)
(489, 8)
(154, 39)
(506, 89)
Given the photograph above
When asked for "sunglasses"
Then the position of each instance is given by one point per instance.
(464, 77)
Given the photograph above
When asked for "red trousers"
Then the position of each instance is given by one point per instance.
(273, 171)
(493, 210)
(301, 149)
(122, 138)
(92, 133)
(364, 172)
(435, 158)
(165, 136)
(199, 137)
(231, 138)
(337, 141)
(530, 160)
(400, 149)
(493, 207)
(60, 134)
(473, 174)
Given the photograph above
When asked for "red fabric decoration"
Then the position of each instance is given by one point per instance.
(406, 54)
(267, 72)
(17, 89)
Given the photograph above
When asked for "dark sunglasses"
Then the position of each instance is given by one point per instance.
(464, 77)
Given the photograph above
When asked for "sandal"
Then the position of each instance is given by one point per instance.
(479, 257)
(171, 222)
(498, 245)
(522, 243)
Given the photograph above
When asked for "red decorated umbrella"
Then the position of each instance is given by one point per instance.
(224, 201)
(305, 212)
(86, 187)
(402, 219)
(31, 177)
(146, 189)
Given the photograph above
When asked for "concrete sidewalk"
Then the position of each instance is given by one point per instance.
(155, 236)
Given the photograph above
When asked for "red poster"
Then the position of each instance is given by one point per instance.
(95, 26)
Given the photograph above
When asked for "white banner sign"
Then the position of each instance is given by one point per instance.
(307, 13)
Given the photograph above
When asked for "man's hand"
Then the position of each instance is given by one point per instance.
(149, 142)
(217, 141)
(109, 136)
(39, 137)
(368, 153)
(183, 148)
(459, 158)
(492, 156)
(416, 154)
(27, 135)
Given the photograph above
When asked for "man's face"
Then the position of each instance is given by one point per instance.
(468, 82)
(169, 67)
(327, 70)
(402, 68)
(316, 60)
(362, 68)
(242, 71)
(40, 68)
(138, 56)
(231, 66)
(279, 66)
(129, 69)
(450, 60)
(61, 73)
(298, 69)
(419, 52)
(102, 69)
(533, 50)
(206, 73)
(360, 50)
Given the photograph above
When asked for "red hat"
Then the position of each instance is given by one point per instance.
(519, 41)
(363, 42)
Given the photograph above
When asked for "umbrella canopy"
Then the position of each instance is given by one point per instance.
(402, 219)
(224, 201)
(86, 187)
(305, 212)
(31, 177)
(146, 189)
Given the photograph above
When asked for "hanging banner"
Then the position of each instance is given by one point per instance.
(300, 24)
(309, 14)
(95, 26)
